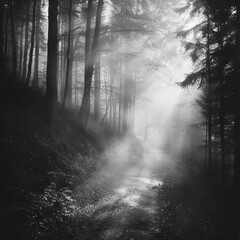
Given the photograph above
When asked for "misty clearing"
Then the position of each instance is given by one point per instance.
(120, 119)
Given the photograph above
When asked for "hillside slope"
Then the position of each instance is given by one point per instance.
(40, 168)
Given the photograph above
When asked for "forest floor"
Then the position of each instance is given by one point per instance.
(41, 167)
(161, 200)
(65, 183)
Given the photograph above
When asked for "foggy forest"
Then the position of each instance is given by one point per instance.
(120, 119)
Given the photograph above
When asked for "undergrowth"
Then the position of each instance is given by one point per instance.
(41, 167)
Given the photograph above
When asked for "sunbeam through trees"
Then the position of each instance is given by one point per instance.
(120, 119)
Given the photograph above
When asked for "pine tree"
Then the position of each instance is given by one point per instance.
(51, 87)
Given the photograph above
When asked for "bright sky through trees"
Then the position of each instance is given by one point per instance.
(162, 95)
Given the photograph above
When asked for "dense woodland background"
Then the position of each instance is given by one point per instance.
(77, 67)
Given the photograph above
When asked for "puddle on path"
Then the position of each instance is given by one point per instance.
(148, 181)
(132, 200)
(132, 204)
(134, 187)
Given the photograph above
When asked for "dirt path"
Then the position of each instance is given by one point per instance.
(150, 202)
(129, 213)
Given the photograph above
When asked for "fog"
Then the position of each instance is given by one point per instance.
(164, 113)
(164, 120)
(120, 119)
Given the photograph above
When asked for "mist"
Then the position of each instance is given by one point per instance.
(120, 119)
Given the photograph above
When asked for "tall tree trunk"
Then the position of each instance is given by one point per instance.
(6, 35)
(114, 102)
(237, 110)
(209, 100)
(37, 44)
(64, 70)
(21, 50)
(206, 148)
(114, 114)
(14, 43)
(88, 33)
(26, 43)
(63, 59)
(32, 46)
(51, 84)
(112, 76)
(67, 98)
(85, 105)
(126, 96)
(84, 112)
(237, 125)
(108, 100)
(134, 100)
(97, 87)
(222, 114)
(1, 33)
(120, 102)
(62, 67)
(75, 83)
(70, 88)
(59, 81)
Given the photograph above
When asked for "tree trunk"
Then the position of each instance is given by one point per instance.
(114, 114)
(67, 98)
(70, 84)
(236, 177)
(14, 44)
(37, 43)
(75, 84)
(120, 102)
(84, 112)
(97, 84)
(112, 76)
(237, 111)
(32, 46)
(222, 114)
(134, 100)
(209, 100)
(108, 100)
(62, 62)
(6, 35)
(126, 96)
(26, 43)
(1, 34)
(51, 84)
(21, 50)
(206, 148)
(85, 105)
